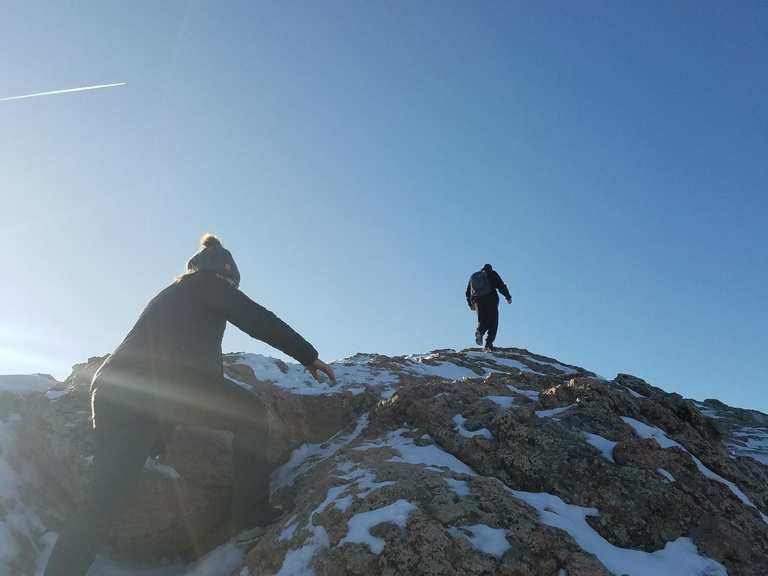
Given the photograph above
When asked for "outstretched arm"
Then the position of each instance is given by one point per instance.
(260, 323)
(498, 283)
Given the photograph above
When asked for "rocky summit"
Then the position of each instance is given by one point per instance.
(447, 463)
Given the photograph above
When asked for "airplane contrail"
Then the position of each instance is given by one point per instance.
(65, 91)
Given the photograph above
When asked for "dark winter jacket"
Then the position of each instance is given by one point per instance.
(178, 336)
(496, 282)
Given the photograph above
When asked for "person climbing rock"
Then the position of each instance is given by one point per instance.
(482, 297)
(168, 371)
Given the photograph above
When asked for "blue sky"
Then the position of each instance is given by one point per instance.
(361, 159)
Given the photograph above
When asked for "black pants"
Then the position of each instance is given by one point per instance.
(126, 431)
(487, 318)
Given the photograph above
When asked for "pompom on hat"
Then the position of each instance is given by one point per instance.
(214, 257)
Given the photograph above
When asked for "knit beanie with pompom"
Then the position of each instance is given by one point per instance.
(214, 257)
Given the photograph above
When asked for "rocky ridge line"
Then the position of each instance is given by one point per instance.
(445, 463)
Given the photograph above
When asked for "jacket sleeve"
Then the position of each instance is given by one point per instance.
(469, 293)
(498, 283)
(258, 322)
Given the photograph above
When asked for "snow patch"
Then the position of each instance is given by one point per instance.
(751, 442)
(645, 431)
(566, 370)
(290, 529)
(532, 394)
(351, 376)
(458, 422)
(488, 540)
(707, 411)
(343, 504)
(678, 558)
(665, 474)
(306, 456)
(460, 487)
(296, 562)
(359, 525)
(503, 401)
(491, 360)
(410, 453)
(553, 411)
(604, 445)
(633, 393)
(364, 480)
(446, 370)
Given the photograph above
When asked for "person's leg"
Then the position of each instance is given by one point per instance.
(482, 320)
(122, 446)
(250, 481)
(478, 337)
(224, 405)
(218, 403)
(251, 470)
(493, 325)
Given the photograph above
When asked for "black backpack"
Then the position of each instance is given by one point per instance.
(480, 284)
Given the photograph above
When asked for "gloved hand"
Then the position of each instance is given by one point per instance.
(509, 300)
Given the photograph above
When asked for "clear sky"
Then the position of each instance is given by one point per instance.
(361, 159)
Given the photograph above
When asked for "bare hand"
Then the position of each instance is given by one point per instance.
(319, 365)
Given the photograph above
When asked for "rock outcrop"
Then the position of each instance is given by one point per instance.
(446, 463)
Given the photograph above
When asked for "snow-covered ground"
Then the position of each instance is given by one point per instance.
(359, 525)
(308, 455)
(411, 453)
(742, 440)
(678, 558)
(360, 372)
(646, 431)
(752, 442)
(358, 483)
(356, 374)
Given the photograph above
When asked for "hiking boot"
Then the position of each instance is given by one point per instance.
(489, 348)
(478, 337)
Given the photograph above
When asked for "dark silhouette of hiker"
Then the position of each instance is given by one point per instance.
(168, 371)
(482, 297)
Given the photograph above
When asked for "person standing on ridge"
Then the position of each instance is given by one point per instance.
(482, 297)
(168, 371)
